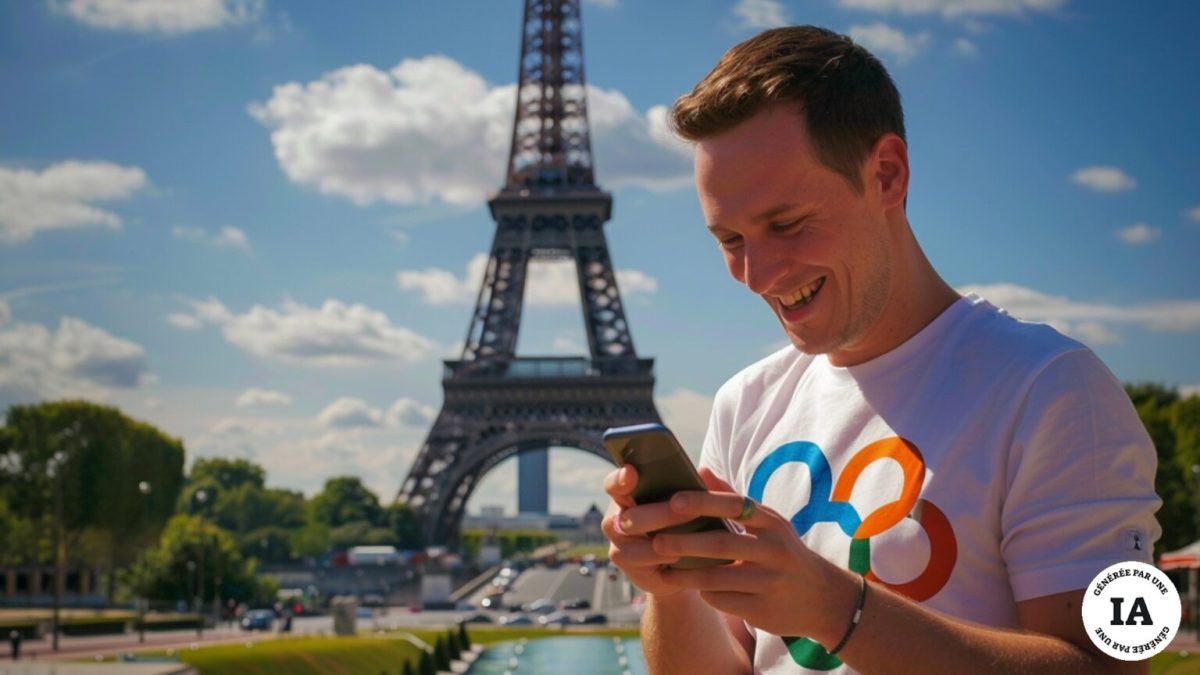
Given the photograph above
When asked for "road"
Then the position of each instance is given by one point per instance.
(607, 596)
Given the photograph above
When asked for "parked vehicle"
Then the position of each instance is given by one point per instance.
(541, 606)
(554, 619)
(258, 619)
(574, 603)
(590, 619)
(516, 620)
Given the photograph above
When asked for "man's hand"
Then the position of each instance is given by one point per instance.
(777, 584)
(629, 547)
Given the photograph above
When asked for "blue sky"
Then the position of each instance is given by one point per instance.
(257, 224)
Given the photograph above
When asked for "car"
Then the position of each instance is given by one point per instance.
(258, 619)
(585, 570)
(554, 619)
(372, 600)
(516, 620)
(574, 603)
(541, 606)
(591, 619)
(492, 601)
(478, 618)
(364, 613)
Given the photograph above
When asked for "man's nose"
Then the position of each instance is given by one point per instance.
(763, 266)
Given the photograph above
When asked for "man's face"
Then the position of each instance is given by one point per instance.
(796, 233)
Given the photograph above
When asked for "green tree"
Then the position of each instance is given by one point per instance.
(404, 524)
(270, 545)
(361, 533)
(228, 473)
(1178, 475)
(171, 570)
(102, 457)
(343, 500)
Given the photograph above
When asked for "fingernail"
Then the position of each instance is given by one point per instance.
(625, 524)
(681, 502)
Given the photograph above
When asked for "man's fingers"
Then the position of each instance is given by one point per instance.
(619, 485)
(724, 505)
(712, 482)
(734, 578)
(647, 518)
(714, 544)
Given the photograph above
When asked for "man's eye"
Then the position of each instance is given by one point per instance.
(730, 243)
(789, 226)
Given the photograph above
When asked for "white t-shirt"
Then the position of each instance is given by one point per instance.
(983, 462)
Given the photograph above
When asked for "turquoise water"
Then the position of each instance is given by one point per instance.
(568, 654)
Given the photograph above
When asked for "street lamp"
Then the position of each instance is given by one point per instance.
(54, 471)
(144, 489)
(201, 496)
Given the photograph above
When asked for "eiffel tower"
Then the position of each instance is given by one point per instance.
(497, 404)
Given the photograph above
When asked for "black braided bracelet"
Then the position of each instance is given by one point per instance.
(862, 599)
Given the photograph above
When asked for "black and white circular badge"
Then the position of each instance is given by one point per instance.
(1131, 611)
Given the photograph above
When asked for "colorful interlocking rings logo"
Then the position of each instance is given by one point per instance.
(830, 503)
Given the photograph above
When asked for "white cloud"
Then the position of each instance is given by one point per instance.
(550, 283)
(441, 287)
(1103, 179)
(1189, 390)
(686, 413)
(332, 335)
(761, 13)
(966, 47)
(1138, 234)
(228, 236)
(955, 9)
(76, 360)
(1093, 333)
(169, 17)
(184, 321)
(63, 196)
(347, 412)
(431, 129)
(1193, 214)
(255, 396)
(406, 412)
(883, 40)
(1090, 321)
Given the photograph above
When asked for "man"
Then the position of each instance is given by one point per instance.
(926, 484)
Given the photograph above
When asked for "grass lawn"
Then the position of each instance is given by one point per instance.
(365, 655)
(1175, 663)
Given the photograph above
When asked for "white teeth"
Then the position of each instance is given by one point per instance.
(804, 295)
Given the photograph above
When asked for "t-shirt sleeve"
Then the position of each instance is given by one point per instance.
(1080, 480)
(714, 454)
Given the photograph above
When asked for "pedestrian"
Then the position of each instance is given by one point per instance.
(926, 484)
(14, 643)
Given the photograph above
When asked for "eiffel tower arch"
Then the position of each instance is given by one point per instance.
(497, 404)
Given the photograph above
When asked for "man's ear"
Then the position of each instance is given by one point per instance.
(889, 170)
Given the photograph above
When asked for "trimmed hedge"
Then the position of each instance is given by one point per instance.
(27, 629)
(77, 626)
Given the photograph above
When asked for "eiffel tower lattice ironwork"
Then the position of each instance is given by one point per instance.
(497, 404)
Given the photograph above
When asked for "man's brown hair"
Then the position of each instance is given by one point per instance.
(844, 94)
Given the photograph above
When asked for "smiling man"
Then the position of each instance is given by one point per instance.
(925, 483)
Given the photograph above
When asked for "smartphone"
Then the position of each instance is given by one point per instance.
(663, 469)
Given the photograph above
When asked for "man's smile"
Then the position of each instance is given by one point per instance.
(802, 296)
